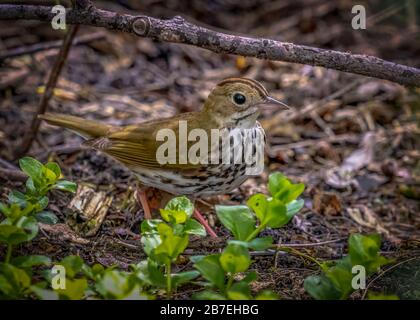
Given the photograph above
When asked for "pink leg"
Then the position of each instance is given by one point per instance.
(142, 198)
(204, 222)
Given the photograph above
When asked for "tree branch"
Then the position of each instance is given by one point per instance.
(178, 30)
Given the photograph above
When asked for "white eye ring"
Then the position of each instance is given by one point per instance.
(238, 98)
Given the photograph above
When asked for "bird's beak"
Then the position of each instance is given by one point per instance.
(277, 102)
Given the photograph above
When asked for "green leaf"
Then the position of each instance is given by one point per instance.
(42, 203)
(276, 216)
(18, 198)
(5, 209)
(150, 225)
(208, 295)
(282, 189)
(170, 247)
(115, 284)
(266, 295)
(75, 289)
(192, 226)
(183, 277)
(30, 187)
(259, 204)
(294, 207)
(72, 264)
(235, 258)
(173, 216)
(65, 185)
(181, 204)
(13, 281)
(364, 250)
(251, 276)
(24, 230)
(150, 273)
(44, 294)
(239, 291)
(341, 277)
(260, 244)
(46, 217)
(238, 219)
(27, 262)
(211, 269)
(54, 167)
(33, 168)
(321, 288)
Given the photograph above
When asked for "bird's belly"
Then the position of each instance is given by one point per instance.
(212, 180)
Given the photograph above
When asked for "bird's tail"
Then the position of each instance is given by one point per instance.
(86, 128)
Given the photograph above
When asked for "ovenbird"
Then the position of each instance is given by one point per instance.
(233, 105)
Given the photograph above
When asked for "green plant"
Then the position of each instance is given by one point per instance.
(335, 281)
(272, 211)
(20, 224)
(163, 241)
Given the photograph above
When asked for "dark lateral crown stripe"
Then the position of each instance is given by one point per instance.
(252, 83)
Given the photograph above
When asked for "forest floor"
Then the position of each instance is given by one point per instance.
(368, 126)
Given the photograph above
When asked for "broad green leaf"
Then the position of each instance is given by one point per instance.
(259, 204)
(183, 277)
(239, 291)
(235, 258)
(65, 185)
(238, 219)
(341, 277)
(72, 264)
(18, 198)
(276, 216)
(75, 289)
(181, 204)
(266, 295)
(54, 167)
(282, 189)
(170, 247)
(294, 207)
(211, 270)
(49, 175)
(260, 244)
(4, 209)
(25, 262)
(13, 281)
(46, 217)
(24, 230)
(364, 250)
(208, 295)
(321, 288)
(150, 225)
(30, 187)
(251, 276)
(33, 168)
(150, 273)
(173, 216)
(192, 226)
(115, 284)
(44, 294)
(42, 203)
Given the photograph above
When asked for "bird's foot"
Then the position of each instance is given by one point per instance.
(142, 199)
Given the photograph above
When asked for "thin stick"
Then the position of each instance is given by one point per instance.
(16, 52)
(52, 81)
(178, 30)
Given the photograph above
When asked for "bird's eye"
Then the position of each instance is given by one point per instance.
(239, 98)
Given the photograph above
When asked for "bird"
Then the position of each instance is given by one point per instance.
(232, 107)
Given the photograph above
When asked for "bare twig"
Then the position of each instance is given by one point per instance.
(178, 30)
(15, 52)
(49, 89)
(10, 174)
